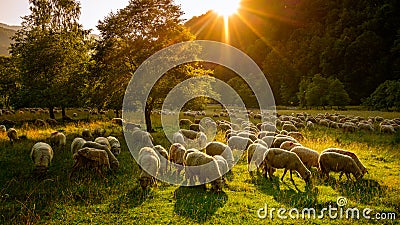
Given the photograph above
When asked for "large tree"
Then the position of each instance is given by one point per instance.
(52, 49)
(128, 38)
(9, 82)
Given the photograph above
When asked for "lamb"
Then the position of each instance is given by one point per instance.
(282, 159)
(176, 155)
(352, 155)
(114, 163)
(58, 139)
(218, 148)
(149, 163)
(12, 135)
(42, 155)
(239, 143)
(163, 155)
(77, 144)
(86, 134)
(90, 158)
(204, 167)
(255, 153)
(332, 161)
(115, 145)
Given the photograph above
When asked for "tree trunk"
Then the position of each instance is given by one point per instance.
(63, 114)
(51, 111)
(147, 117)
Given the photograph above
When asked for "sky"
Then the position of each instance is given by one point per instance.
(94, 10)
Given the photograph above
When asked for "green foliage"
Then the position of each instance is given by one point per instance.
(244, 91)
(9, 83)
(322, 91)
(53, 52)
(385, 97)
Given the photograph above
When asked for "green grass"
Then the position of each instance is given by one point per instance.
(26, 199)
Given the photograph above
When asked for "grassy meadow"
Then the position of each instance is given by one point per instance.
(88, 199)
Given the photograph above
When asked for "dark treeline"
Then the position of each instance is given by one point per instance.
(354, 41)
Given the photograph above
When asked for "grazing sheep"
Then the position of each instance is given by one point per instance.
(149, 163)
(3, 128)
(349, 127)
(41, 155)
(103, 141)
(90, 158)
(310, 125)
(176, 155)
(282, 159)
(163, 155)
(248, 135)
(117, 121)
(205, 168)
(352, 155)
(87, 135)
(239, 143)
(280, 139)
(185, 122)
(51, 122)
(308, 156)
(255, 153)
(288, 145)
(193, 138)
(99, 132)
(365, 126)
(332, 161)
(218, 148)
(196, 127)
(189, 134)
(389, 129)
(58, 139)
(140, 139)
(77, 144)
(297, 135)
(289, 127)
(114, 163)
(115, 145)
(12, 135)
(179, 138)
(40, 123)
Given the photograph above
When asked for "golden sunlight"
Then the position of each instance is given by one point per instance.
(226, 8)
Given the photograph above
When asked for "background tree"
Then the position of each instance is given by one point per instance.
(9, 83)
(53, 52)
(385, 97)
(128, 38)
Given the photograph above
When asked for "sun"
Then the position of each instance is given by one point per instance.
(226, 8)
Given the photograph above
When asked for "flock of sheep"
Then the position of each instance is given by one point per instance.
(204, 160)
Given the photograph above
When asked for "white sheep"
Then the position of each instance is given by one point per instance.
(90, 158)
(115, 145)
(387, 129)
(103, 141)
(179, 138)
(289, 127)
(239, 143)
(282, 159)
(255, 153)
(278, 140)
(177, 156)
(288, 145)
(205, 168)
(12, 135)
(58, 139)
(163, 155)
(113, 161)
(149, 163)
(3, 128)
(42, 155)
(86, 134)
(332, 161)
(77, 144)
(352, 155)
(218, 148)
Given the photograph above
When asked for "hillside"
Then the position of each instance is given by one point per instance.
(6, 32)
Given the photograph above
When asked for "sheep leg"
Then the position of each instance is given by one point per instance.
(284, 173)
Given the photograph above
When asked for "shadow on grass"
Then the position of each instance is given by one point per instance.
(197, 203)
(363, 191)
(290, 196)
(131, 199)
